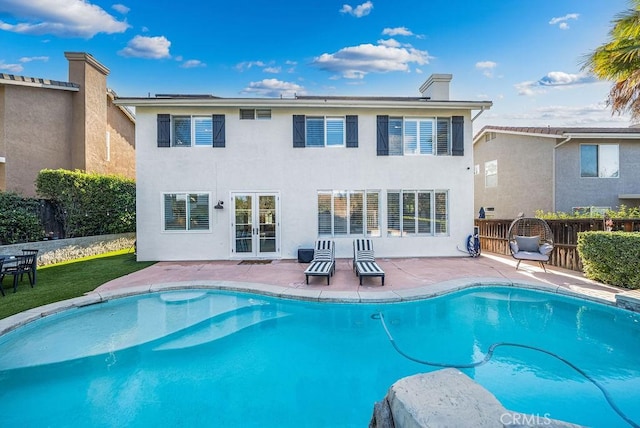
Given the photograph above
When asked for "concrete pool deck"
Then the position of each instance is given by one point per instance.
(406, 278)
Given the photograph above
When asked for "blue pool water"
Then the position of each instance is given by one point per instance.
(211, 358)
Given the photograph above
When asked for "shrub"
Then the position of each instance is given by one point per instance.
(88, 203)
(19, 219)
(611, 257)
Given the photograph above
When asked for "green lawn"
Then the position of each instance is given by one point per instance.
(66, 280)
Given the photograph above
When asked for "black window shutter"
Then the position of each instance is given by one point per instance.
(383, 136)
(352, 131)
(457, 136)
(298, 130)
(164, 130)
(218, 130)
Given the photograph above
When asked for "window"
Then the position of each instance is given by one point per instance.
(186, 211)
(417, 212)
(325, 131)
(251, 114)
(599, 160)
(491, 173)
(192, 131)
(343, 213)
(417, 136)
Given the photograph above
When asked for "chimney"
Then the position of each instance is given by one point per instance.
(436, 88)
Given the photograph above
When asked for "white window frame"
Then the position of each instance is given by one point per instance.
(491, 174)
(255, 114)
(370, 217)
(326, 130)
(602, 161)
(193, 121)
(437, 226)
(190, 200)
(403, 150)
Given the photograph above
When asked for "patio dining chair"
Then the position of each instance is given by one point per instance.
(1, 276)
(34, 267)
(21, 265)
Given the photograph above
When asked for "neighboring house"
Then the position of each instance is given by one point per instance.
(522, 170)
(71, 125)
(222, 178)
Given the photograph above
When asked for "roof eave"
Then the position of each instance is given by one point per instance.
(291, 102)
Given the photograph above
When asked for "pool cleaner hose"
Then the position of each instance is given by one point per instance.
(489, 355)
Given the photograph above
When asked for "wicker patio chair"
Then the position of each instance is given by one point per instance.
(530, 239)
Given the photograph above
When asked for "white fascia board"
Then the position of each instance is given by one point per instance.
(298, 103)
(604, 135)
(38, 85)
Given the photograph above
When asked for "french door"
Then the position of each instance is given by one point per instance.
(256, 225)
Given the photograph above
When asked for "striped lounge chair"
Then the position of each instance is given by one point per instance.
(364, 262)
(323, 263)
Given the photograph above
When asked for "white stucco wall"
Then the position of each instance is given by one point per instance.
(259, 156)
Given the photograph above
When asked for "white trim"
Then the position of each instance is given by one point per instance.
(301, 103)
(3, 159)
(38, 85)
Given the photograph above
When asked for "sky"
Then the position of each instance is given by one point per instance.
(526, 56)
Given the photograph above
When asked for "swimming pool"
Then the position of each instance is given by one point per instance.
(214, 358)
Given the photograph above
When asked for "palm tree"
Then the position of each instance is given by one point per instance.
(619, 61)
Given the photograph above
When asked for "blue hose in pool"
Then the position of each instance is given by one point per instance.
(489, 355)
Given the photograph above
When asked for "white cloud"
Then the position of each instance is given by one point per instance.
(147, 47)
(273, 88)
(392, 43)
(487, 67)
(554, 79)
(398, 31)
(11, 68)
(121, 8)
(354, 62)
(33, 58)
(562, 20)
(362, 10)
(246, 65)
(274, 70)
(18, 68)
(193, 63)
(64, 18)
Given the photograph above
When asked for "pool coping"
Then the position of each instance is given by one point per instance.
(393, 296)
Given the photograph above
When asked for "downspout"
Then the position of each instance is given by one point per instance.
(553, 172)
(478, 114)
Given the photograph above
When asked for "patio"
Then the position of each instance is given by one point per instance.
(404, 277)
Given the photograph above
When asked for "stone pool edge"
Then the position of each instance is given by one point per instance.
(388, 296)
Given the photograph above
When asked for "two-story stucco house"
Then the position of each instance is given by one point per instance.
(525, 169)
(71, 125)
(222, 178)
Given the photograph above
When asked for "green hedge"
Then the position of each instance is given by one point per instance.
(611, 257)
(19, 219)
(90, 204)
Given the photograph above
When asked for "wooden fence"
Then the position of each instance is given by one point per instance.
(493, 237)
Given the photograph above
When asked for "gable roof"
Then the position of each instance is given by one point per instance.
(561, 132)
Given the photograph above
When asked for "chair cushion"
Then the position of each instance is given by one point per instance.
(528, 243)
(365, 256)
(514, 246)
(545, 249)
(322, 255)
